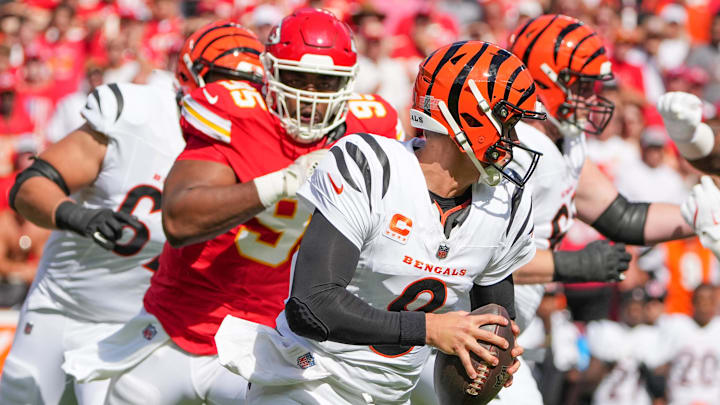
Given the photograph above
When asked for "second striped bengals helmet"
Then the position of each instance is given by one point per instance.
(476, 92)
(222, 47)
(566, 58)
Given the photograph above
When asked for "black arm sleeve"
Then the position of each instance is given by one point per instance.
(320, 307)
(623, 221)
(502, 293)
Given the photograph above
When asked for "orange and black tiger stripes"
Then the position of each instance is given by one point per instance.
(459, 83)
(445, 58)
(526, 54)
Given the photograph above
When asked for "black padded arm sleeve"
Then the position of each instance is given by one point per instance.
(623, 221)
(502, 293)
(39, 168)
(320, 307)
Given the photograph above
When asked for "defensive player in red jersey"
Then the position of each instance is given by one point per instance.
(229, 208)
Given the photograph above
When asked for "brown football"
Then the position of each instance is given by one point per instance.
(452, 384)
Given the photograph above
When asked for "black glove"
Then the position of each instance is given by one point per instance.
(598, 261)
(655, 383)
(103, 225)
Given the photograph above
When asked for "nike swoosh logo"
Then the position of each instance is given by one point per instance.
(338, 190)
(210, 99)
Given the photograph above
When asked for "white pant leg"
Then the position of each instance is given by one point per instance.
(32, 374)
(318, 392)
(424, 392)
(170, 376)
(523, 391)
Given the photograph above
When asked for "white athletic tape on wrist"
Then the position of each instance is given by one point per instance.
(700, 145)
(270, 187)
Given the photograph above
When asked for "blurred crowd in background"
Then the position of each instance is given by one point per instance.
(53, 53)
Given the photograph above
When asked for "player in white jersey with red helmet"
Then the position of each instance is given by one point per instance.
(100, 189)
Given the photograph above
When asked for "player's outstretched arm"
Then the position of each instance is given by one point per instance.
(76, 160)
(203, 199)
(635, 223)
(41, 192)
(598, 261)
(682, 114)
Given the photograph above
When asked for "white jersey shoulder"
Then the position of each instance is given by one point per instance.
(373, 190)
(144, 138)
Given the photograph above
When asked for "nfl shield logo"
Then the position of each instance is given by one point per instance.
(149, 332)
(28, 328)
(443, 250)
(306, 361)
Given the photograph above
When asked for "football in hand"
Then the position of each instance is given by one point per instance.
(452, 384)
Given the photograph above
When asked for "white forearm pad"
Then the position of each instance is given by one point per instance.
(700, 145)
(270, 187)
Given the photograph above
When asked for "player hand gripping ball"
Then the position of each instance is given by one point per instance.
(701, 211)
(479, 355)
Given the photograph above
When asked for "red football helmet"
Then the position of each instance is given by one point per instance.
(476, 92)
(566, 58)
(310, 41)
(222, 47)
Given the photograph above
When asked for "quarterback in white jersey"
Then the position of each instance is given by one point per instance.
(405, 237)
(100, 188)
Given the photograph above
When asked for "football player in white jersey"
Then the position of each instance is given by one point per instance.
(566, 59)
(90, 187)
(99, 188)
(405, 237)
(623, 353)
(691, 353)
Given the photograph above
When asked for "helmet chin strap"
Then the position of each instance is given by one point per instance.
(489, 175)
(566, 129)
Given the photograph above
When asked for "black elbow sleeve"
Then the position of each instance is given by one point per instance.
(39, 168)
(502, 293)
(303, 322)
(623, 221)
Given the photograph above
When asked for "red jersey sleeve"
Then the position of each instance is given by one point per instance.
(200, 149)
(372, 114)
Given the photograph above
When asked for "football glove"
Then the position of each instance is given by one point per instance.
(682, 114)
(701, 211)
(102, 225)
(598, 261)
(285, 182)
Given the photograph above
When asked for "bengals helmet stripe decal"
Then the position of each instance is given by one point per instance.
(565, 31)
(227, 25)
(449, 54)
(459, 82)
(572, 55)
(530, 91)
(526, 56)
(525, 27)
(238, 49)
(495, 63)
(510, 81)
(600, 51)
(234, 34)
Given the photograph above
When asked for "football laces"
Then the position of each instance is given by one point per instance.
(477, 384)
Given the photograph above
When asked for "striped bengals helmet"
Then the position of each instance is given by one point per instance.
(476, 92)
(566, 58)
(222, 47)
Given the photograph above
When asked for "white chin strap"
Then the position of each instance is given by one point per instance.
(489, 175)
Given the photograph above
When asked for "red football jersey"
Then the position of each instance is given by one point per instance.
(244, 272)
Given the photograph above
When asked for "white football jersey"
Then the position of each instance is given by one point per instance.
(553, 183)
(693, 354)
(372, 189)
(626, 348)
(76, 275)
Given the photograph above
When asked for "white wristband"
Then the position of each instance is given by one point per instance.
(700, 145)
(270, 187)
